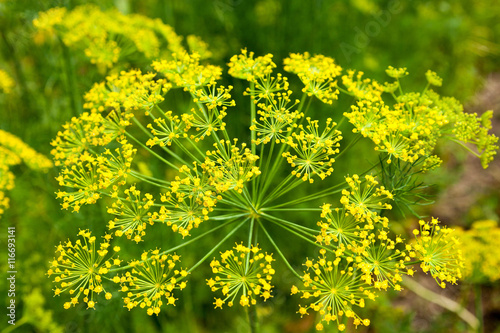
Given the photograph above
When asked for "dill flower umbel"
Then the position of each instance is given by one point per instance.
(108, 38)
(364, 199)
(318, 73)
(246, 272)
(161, 165)
(480, 251)
(80, 268)
(151, 281)
(333, 290)
(439, 252)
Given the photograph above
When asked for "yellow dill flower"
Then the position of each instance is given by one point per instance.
(197, 45)
(433, 78)
(126, 92)
(313, 151)
(190, 199)
(110, 37)
(479, 245)
(396, 73)
(275, 119)
(151, 282)
(208, 117)
(13, 151)
(80, 268)
(169, 128)
(318, 74)
(362, 88)
(237, 184)
(214, 97)
(47, 21)
(438, 252)
(409, 129)
(6, 177)
(78, 136)
(244, 271)
(383, 260)
(4, 202)
(6, 82)
(186, 71)
(470, 128)
(266, 87)
(365, 198)
(132, 214)
(231, 167)
(333, 290)
(94, 174)
(340, 228)
(245, 66)
(28, 155)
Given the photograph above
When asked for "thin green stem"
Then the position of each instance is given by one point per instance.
(227, 217)
(279, 251)
(465, 147)
(284, 147)
(297, 182)
(177, 157)
(19, 322)
(150, 180)
(252, 118)
(151, 151)
(478, 300)
(291, 209)
(349, 146)
(252, 318)
(194, 239)
(264, 177)
(234, 202)
(310, 232)
(342, 90)
(271, 196)
(217, 246)
(250, 236)
(71, 79)
(327, 192)
(442, 301)
(303, 237)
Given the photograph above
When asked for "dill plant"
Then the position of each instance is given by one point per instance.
(238, 187)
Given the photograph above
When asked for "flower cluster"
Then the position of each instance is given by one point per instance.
(333, 289)
(80, 267)
(13, 151)
(110, 37)
(313, 151)
(152, 280)
(243, 271)
(158, 165)
(6, 82)
(409, 129)
(363, 199)
(245, 66)
(439, 252)
(318, 73)
(480, 251)
(132, 214)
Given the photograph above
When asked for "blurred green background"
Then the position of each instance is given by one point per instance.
(460, 40)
